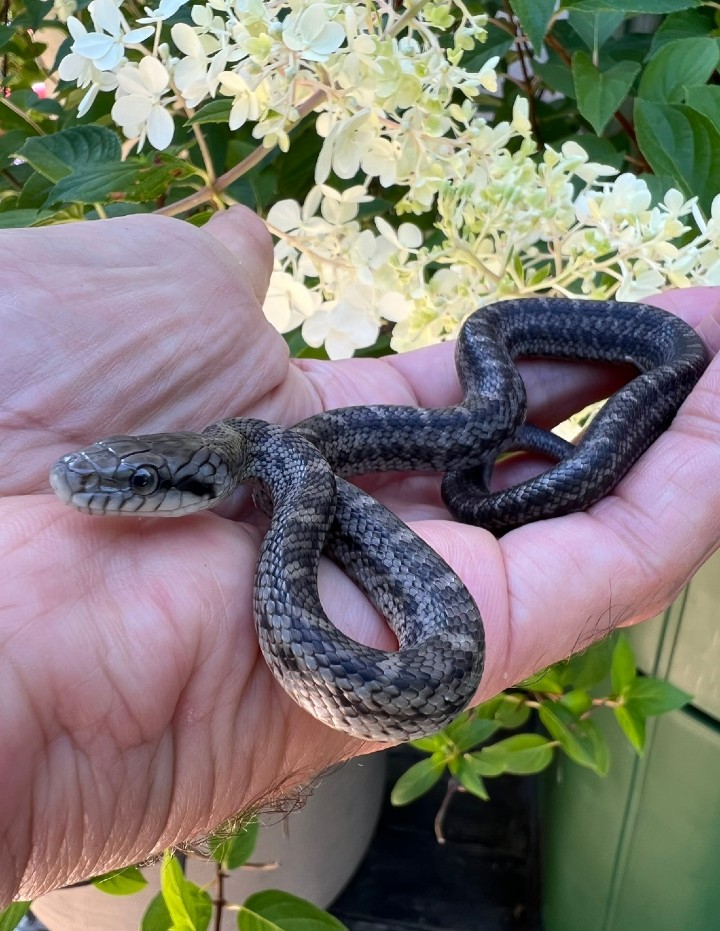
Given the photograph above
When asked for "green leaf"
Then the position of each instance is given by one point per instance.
(577, 701)
(489, 708)
(633, 6)
(36, 11)
(594, 27)
(520, 754)
(96, 184)
(288, 912)
(136, 180)
(157, 917)
(6, 34)
(121, 882)
(34, 192)
(600, 93)
(469, 775)
(485, 766)
(547, 680)
(418, 780)
(684, 62)
(217, 111)
(598, 744)
(432, 744)
(19, 219)
(705, 100)
(631, 719)
(10, 142)
(469, 732)
(189, 906)
(534, 17)
(513, 712)
(656, 696)
(249, 921)
(57, 155)
(685, 25)
(235, 850)
(589, 667)
(580, 740)
(680, 142)
(555, 76)
(623, 671)
(11, 916)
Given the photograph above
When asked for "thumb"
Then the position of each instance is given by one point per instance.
(245, 237)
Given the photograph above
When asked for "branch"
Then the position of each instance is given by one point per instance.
(212, 191)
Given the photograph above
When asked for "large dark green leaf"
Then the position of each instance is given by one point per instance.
(681, 143)
(534, 17)
(684, 25)
(594, 27)
(57, 155)
(677, 65)
(633, 6)
(599, 94)
(137, 180)
(706, 100)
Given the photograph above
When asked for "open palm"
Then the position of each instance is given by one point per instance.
(137, 708)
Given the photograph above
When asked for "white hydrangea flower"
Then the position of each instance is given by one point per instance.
(288, 302)
(165, 9)
(64, 8)
(384, 81)
(341, 326)
(139, 108)
(712, 228)
(640, 282)
(98, 81)
(312, 33)
(198, 74)
(246, 103)
(105, 47)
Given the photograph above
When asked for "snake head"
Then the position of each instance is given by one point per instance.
(163, 474)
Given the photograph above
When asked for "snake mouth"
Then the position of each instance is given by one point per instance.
(59, 483)
(77, 486)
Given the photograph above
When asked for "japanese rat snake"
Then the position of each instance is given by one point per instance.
(405, 694)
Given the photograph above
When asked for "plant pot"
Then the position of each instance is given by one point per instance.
(317, 848)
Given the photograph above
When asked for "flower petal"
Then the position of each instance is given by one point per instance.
(160, 127)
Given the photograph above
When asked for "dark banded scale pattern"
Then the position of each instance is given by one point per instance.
(412, 692)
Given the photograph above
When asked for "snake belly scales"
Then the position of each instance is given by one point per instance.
(372, 694)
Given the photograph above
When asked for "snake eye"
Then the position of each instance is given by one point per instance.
(144, 480)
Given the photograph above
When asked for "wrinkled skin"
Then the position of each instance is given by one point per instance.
(137, 710)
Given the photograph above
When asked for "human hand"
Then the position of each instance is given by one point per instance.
(138, 707)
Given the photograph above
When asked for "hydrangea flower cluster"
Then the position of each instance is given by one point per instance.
(385, 83)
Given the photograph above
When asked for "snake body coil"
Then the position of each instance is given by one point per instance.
(405, 694)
